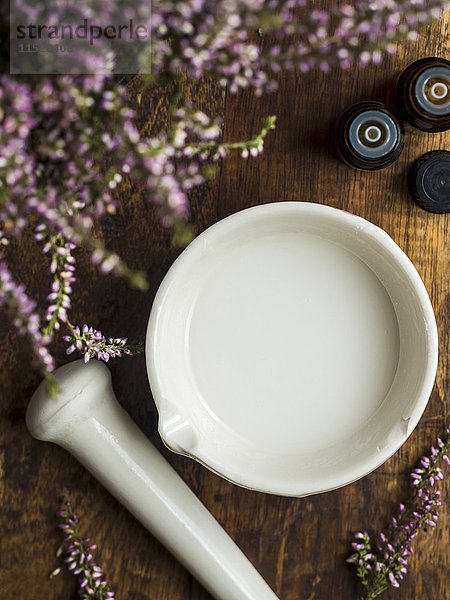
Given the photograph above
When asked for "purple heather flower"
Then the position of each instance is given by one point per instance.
(93, 344)
(388, 565)
(77, 555)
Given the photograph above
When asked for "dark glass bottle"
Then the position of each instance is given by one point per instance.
(369, 136)
(422, 94)
(429, 181)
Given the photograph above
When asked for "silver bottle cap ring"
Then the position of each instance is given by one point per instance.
(373, 134)
(432, 91)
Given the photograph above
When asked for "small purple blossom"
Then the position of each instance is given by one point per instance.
(93, 344)
(77, 553)
(387, 565)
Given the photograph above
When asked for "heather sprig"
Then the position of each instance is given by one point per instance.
(213, 149)
(56, 133)
(386, 564)
(218, 37)
(78, 558)
(353, 33)
(91, 343)
(62, 268)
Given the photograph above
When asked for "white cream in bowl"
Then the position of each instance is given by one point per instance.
(291, 348)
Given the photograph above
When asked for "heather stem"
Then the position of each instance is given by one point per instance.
(78, 558)
(93, 344)
(376, 570)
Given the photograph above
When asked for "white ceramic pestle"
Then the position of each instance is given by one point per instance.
(86, 419)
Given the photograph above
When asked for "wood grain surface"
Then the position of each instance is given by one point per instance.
(299, 545)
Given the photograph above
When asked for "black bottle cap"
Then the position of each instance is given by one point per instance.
(429, 181)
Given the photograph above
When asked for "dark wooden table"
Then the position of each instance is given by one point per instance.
(299, 545)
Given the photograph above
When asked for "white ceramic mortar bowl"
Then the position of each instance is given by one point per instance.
(291, 348)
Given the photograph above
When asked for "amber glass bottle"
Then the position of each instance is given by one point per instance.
(422, 94)
(369, 136)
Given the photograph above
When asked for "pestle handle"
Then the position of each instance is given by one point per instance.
(87, 420)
